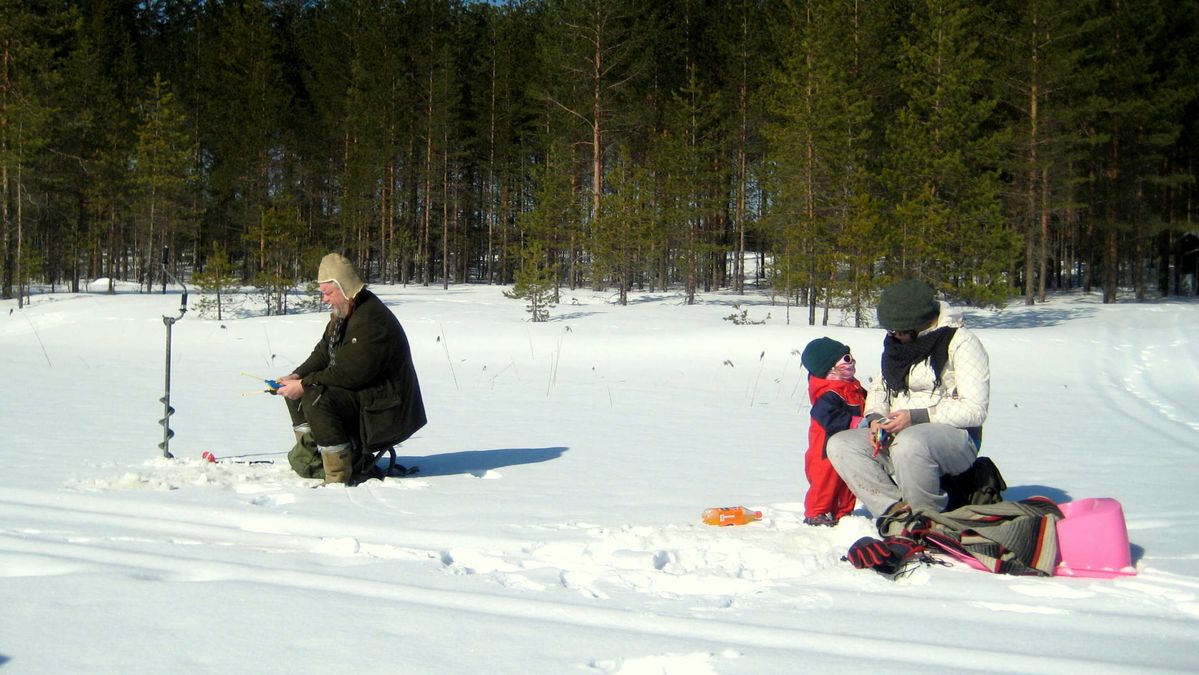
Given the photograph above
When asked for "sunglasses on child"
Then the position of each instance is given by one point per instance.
(847, 359)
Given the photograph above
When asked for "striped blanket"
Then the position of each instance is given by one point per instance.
(1006, 538)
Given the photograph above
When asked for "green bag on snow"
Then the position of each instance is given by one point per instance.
(305, 459)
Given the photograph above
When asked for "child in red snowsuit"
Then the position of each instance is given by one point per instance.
(838, 401)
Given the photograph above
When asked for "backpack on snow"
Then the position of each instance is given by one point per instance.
(305, 460)
(980, 484)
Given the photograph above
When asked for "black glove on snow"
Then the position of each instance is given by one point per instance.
(868, 552)
(889, 557)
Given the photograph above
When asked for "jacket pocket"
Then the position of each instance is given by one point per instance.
(382, 417)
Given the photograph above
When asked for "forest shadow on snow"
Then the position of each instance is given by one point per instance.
(1028, 317)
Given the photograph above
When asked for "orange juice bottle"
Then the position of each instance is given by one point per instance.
(730, 515)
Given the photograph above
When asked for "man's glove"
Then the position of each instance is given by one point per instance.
(889, 557)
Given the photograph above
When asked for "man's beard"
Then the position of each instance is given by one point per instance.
(339, 311)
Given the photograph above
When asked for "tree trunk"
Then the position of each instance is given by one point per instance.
(427, 211)
(742, 158)
(1030, 245)
(5, 252)
(597, 148)
(489, 187)
(1111, 267)
(5, 232)
(445, 210)
(1043, 249)
(1111, 253)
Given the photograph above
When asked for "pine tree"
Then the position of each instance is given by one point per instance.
(1039, 45)
(28, 77)
(622, 233)
(684, 161)
(536, 283)
(1133, 116)
(278, 235)
(821, 204)
(1180, 179)
(239, 97)
(595, 53)
(944, 161)
(163, 170)
(95, 138)
(217, 278)
(541, 232)
(746, 63)
(503, 78)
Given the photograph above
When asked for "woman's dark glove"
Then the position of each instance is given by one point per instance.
(888, 556)
(868, 552)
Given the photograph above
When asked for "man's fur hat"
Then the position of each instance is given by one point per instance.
(337, 269)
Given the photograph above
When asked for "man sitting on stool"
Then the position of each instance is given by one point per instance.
(358, 390)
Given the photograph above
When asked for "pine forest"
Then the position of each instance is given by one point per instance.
(814, 150)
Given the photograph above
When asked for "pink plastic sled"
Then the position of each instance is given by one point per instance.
(1092, 540)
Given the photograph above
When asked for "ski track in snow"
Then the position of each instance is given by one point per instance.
(166, 567)
(681, 598)
(722, 568)
(1132, 387)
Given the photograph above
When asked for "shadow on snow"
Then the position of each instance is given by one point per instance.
(1015, 493)
(1038, 317)
(479, 462)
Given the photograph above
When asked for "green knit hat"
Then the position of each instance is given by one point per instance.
(336, 268)
(907, 305)
(821, 355)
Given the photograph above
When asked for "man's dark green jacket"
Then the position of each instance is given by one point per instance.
(368, 354)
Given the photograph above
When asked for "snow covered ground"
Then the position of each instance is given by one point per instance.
(554, 527)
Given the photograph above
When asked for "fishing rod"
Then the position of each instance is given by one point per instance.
(271, 384)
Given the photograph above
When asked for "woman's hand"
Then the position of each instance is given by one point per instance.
(896, 422)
